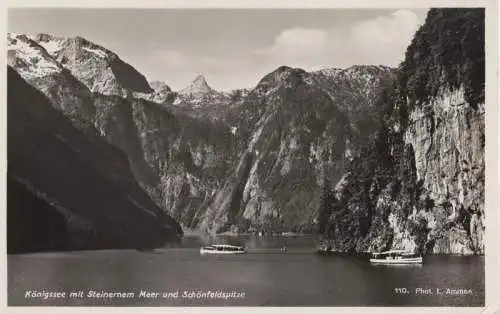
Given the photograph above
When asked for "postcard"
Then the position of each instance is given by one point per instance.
(234, 155)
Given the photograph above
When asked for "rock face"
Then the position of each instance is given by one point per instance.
(201, 100)
(99, 69)
(41, 70)
(161, 94)
(290, 134)
(295, 136)
(447, 136)
(197, 89)
(79, 187)
(420, 184)
(356, 90)
(178, 157)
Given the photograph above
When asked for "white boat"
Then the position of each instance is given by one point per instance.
(222, 249)
(396, 257)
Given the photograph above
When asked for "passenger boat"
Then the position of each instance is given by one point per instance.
(222, 249)
(397, 257)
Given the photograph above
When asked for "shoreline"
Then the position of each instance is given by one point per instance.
(197, 234)
(159, 250)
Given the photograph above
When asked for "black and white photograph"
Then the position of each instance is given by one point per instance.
(242, 157)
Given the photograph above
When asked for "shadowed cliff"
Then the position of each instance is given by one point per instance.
(69, 190)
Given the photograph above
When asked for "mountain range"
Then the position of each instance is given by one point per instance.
(286, 155)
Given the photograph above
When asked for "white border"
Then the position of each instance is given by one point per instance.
(250, 3)
(492, 275)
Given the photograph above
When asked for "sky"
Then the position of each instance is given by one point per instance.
(232, 48)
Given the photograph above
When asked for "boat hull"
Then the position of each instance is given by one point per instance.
(214, 252)
(396, 261)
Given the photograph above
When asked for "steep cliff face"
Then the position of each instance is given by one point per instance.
(296, 136)
(420, 185)
(190, 157)
(82, 186)
(178, 159)
(447, 136)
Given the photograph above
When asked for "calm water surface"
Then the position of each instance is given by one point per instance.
(265, 276)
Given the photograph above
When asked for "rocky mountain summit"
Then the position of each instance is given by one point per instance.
(34, 63)
(29, 58)
(197, 89)
(199, 95)
(98, 68)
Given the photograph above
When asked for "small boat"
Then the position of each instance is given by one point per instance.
(396, 257)
(222, 249)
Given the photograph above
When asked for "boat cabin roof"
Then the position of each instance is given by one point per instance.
(224, 246)
(400, 252)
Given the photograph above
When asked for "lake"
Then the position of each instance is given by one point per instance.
(179, 275)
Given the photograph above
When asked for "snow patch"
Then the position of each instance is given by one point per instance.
(177, 101)
(98, 52)
(52, 46)
(30, 60)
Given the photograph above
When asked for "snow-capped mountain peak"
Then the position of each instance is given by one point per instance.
(100, 69)
(29, 58)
